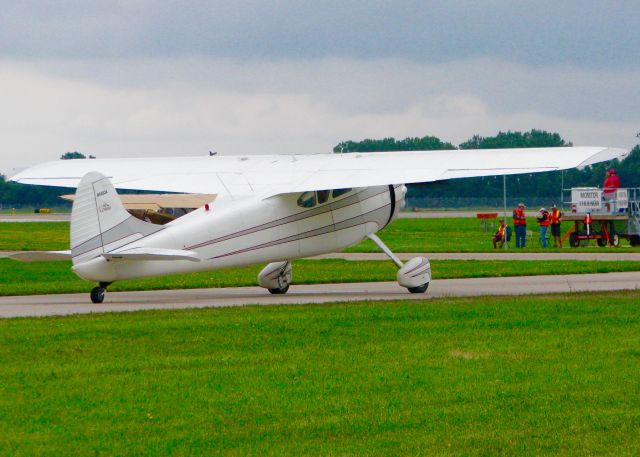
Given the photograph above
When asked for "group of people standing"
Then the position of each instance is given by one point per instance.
(551, 219)
(546, 220)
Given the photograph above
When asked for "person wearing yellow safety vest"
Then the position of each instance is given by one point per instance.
(501, 235)
(555, 218)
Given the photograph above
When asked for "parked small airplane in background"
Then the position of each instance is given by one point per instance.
(260, 208)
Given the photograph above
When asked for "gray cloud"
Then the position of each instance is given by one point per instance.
(188, 106)
(574, 33)
(121, 78)
(356, 87)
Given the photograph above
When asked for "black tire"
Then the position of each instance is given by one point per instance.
(574, 242)
(419, 289)
(280, 290)
(602, 242)
(634, 240)
(97, 294)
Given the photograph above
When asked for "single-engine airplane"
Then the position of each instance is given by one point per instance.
(263, 208)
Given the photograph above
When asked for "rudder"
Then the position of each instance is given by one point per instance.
(99, 220)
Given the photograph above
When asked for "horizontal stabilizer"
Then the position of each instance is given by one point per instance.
(35, 256)
(152, 254)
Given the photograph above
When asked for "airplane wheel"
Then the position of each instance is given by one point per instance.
(279, 290)
(634, 240)
(574, 242)
(602, 242)
(97, 294)
(419, 289)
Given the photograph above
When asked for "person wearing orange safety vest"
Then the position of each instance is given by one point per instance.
(555, 217)
(501, 235)
(520, 225)
(544, 221)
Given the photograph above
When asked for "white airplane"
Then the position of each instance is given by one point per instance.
(263, 209)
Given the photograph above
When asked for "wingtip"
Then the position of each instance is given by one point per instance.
(604, 155)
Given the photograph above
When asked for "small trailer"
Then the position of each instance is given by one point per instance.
(612, 216)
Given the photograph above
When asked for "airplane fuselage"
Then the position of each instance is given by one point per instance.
(245, 231)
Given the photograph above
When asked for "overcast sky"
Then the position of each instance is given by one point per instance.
(135, 78)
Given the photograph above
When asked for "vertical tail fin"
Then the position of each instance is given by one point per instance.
(99, 221)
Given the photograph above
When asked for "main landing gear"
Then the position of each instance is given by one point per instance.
(98, 293)
(276, 277)
(415, 275)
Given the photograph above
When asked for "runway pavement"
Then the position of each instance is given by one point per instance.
(403, 215)
(58, 305)
(56, 217)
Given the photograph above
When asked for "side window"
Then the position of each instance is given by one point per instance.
(338, 192)
(323, 196)
(307, 200)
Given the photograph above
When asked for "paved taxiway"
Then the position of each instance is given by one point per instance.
(55, 217)
(56, 305)
(60, 217)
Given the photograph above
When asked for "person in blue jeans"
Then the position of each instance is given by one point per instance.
(520, 225)
(544, 221)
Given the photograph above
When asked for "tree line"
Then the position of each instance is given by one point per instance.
(538, 187)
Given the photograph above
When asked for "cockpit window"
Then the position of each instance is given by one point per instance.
(323, 196)
(307, 199)
(338, 192)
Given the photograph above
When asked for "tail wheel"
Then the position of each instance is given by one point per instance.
(97, 294)
(574, 242)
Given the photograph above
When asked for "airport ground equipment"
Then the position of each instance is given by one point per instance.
(615, 216)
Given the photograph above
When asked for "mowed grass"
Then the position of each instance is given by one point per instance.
(545, 375)
(462, 235)
(403, 235)
(17, 278)
(34, 236)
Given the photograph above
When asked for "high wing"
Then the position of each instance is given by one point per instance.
(268, 175)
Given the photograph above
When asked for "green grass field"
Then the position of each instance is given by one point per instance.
(460, 235)
(546, 375)
(403, 235)
(34, 236)
(17, 278)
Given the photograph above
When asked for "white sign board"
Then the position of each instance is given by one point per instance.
(622, 199)
(586, 199)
